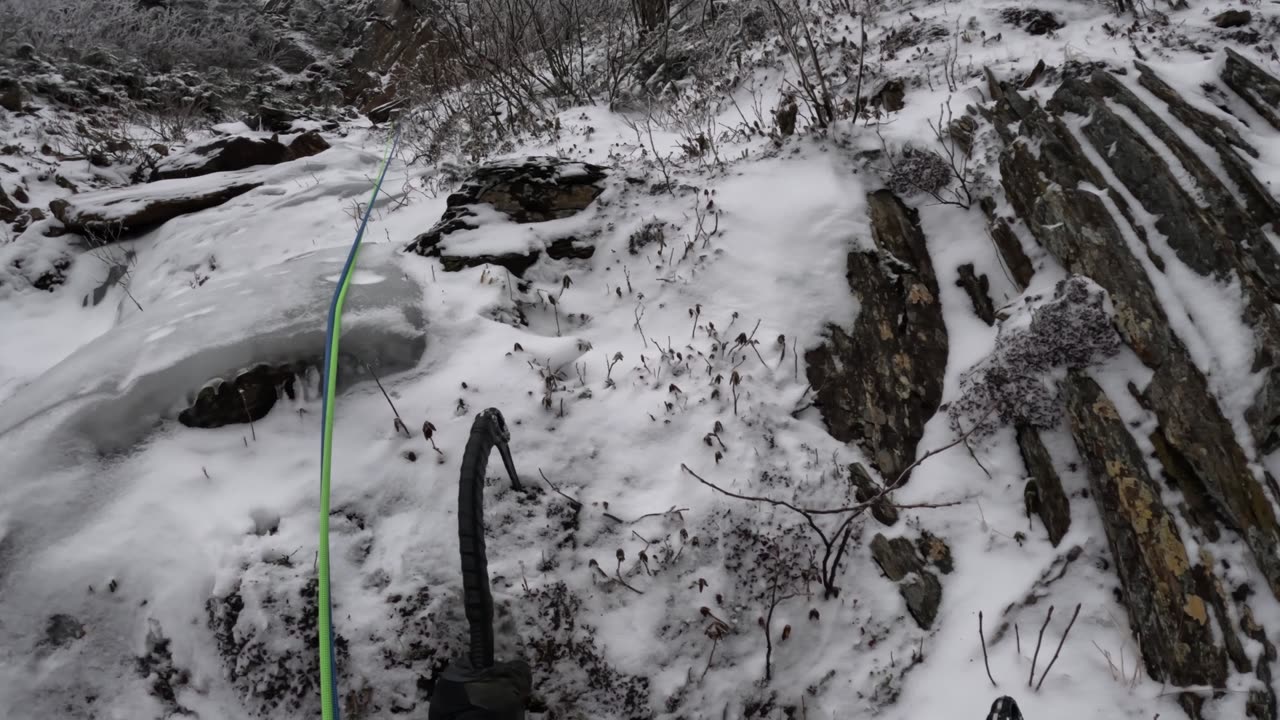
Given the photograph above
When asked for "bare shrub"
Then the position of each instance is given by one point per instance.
(217, 33)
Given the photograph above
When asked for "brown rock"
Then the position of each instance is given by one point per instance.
(1169, 616)
(879, 382)
(224, 155)
(307, 144)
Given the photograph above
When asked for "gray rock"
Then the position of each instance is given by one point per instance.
(879, 382)
(1043, 494)
(525, 191)
(978, 288)
(865, 489)
(1253, 85)
(919, 587)
(107, 214)
(237, 153)
(1233, 19)
(12, 96)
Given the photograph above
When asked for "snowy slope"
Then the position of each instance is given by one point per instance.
(134, 544)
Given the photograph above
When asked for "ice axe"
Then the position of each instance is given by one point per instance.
(477, 686)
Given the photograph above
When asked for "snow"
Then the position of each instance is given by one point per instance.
(102, 488)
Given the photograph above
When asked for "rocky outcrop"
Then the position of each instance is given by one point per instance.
(1086, 178)
(1069, 206)
(108, 214)
(879, 382)
(919, 587)
(1233, 19)
(1253, 85)
(1166, 612)
(525, 191)
(387, 49)
(238, 153)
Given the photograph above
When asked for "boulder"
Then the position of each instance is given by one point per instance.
(107, 214)
(880, 381)
(528, 191)
(1233, 19)
(12, 96)
(237, 153)
(307, 144)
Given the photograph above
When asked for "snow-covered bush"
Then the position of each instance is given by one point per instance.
(1013, 386)
(918, 171)
(202, 33)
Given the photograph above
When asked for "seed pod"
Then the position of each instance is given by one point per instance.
(705, 611)
(428, 430)
(519, 348)
(786, 633)
(760, 621)
(813, 615)
(621, 555)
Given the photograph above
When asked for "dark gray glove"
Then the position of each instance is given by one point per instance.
(495, 693)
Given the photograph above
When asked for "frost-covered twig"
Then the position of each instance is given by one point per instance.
(1060, 642)
(985, 661)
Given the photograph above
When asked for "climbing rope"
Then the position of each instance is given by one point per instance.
(328, 686)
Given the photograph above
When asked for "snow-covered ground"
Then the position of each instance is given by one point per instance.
(134, 543)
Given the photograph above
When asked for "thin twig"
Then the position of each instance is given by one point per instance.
(1036, 657)
(851, 508)
(576, 505)
(1055, 652)
(248, 415)
(985, 661)
(399, 421)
